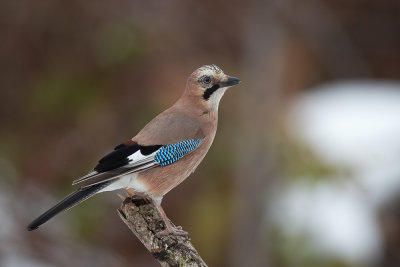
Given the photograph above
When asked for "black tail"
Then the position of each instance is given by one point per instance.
(68, 202)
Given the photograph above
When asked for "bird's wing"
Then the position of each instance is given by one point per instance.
(164, 140)
(131, 157)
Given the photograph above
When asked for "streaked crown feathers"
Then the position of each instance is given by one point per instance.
(211, 67)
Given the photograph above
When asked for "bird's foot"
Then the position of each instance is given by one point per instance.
(172, 230)
(129, 192)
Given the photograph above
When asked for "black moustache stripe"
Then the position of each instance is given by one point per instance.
(210, 91)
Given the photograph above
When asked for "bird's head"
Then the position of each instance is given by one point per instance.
(208, 84)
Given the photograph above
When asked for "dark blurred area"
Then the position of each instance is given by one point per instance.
(303, 170)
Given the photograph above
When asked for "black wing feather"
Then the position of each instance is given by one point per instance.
(119, 157)
(116, 158)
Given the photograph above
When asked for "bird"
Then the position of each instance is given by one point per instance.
(163, 154)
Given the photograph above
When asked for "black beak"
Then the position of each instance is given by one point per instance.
(231, 81)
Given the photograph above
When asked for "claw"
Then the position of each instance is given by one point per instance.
(129, 192)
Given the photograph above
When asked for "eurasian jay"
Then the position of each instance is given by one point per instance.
(163, 154)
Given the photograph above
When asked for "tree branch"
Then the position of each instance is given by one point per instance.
(144, 220)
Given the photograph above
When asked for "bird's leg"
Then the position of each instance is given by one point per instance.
(170, 229)
(129, 192)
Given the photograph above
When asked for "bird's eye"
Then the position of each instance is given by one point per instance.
(206, 80)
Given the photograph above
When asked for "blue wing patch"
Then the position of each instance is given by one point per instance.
(168, 154)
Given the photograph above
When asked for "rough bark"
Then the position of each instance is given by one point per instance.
(144, 220)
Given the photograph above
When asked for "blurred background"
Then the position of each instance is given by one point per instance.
(304, 169)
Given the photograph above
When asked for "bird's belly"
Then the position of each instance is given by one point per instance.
(127, 181)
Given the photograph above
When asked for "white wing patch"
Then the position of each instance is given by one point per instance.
(138, 158)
